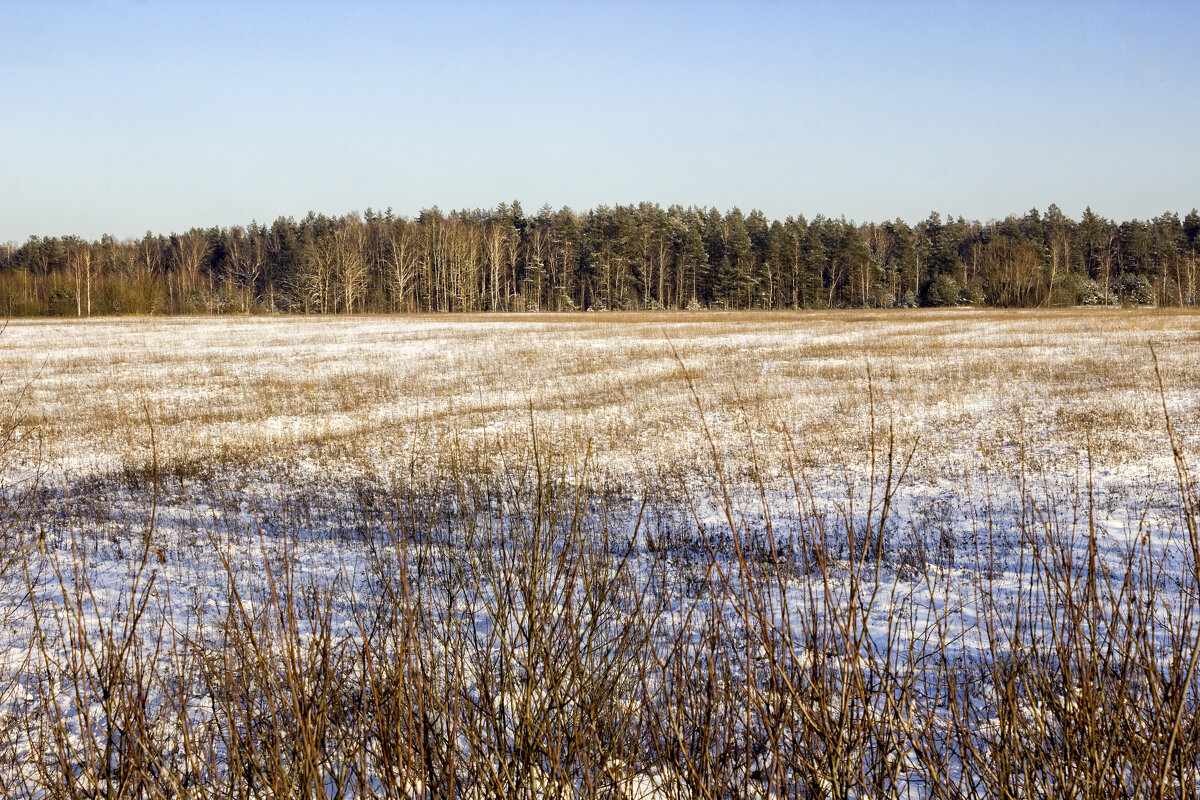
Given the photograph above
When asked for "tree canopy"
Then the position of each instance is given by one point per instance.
(607, 258)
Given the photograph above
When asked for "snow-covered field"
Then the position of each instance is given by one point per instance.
(851, 554)
(346, 394)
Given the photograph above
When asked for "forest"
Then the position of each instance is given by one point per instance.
(624, 257)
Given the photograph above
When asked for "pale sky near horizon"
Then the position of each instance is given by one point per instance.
(122, 117)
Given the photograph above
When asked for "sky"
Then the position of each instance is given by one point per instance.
(123, 117)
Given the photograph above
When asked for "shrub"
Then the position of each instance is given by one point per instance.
(1083, 290)
(943, 291)
(1134, 289)
(62, 301)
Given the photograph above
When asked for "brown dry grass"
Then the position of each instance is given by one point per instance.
(509, 637)
(366, 389)
(508, 633)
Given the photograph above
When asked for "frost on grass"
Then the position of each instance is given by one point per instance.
(784, 555)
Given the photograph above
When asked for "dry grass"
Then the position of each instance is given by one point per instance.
(617, 556)
(241, 390)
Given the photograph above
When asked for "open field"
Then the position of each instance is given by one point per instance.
(369, 392)
(926, 554)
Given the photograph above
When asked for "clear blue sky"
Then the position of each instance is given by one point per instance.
(121, 117)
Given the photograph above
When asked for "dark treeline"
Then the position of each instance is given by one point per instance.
(624, 257)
